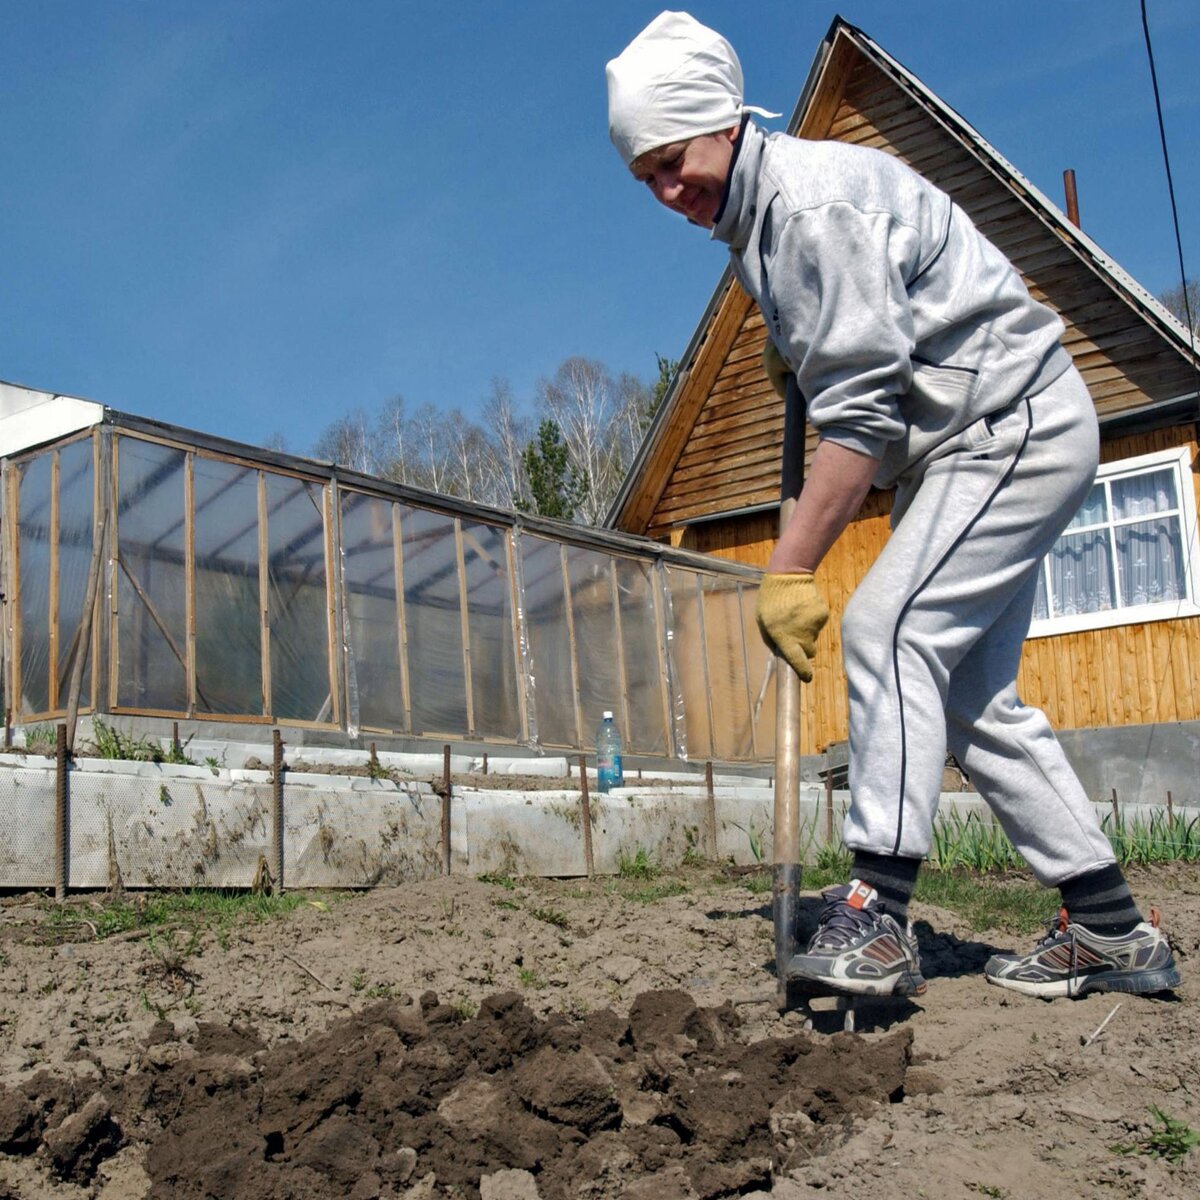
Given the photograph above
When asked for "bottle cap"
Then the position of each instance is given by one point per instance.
(607, 715)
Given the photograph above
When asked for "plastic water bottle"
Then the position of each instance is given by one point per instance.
(609, 773)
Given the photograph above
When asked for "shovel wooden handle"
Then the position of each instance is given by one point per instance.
(785, 871)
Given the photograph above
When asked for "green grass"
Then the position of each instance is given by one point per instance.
(983, 901)
(529, 978)
(987, 904)
(656, 891)
(760, 883)
(190, 910)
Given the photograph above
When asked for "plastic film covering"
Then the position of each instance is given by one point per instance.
(228, 604)
(433, 618)
(760, 663)
(495, 669)
(688, 659)
(298, 600)
(33, 533)
(597, 651)
(151, 633)
(371, 609)
(76, 519)
(645, 685)
(725, 652)
(549, 640)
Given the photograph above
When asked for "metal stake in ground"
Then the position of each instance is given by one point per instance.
(447, 783)
(277, 809)
(710, 814)
(585, 813)
(62, 824)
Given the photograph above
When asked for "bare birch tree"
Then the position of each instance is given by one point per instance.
(506, 434)
(582, 400)
(1183, 302)
(348, 442)
(396, 442)
(434, 465)
(468, 452)
(599, 419)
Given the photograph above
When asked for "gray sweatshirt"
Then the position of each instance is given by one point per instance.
(902, 323)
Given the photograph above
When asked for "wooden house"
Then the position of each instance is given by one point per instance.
(1121, 648)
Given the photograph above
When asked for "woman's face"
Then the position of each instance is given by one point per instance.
(689, 176)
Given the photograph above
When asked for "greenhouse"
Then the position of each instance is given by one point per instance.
(153, 572)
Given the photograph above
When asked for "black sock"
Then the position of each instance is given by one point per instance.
(1101, 901)
(891, 876)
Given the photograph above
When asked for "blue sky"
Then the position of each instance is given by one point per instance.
(251, 217)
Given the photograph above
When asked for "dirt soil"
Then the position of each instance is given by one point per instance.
(562, 1040)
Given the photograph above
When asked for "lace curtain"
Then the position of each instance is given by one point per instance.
(1148, 553)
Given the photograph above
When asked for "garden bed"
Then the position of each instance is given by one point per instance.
(613, 1038)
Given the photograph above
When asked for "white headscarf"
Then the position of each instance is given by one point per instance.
(677, 79)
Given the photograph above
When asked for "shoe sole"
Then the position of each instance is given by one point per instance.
(905, 984)
(1137, 983)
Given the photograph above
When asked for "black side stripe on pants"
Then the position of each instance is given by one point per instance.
(909, 602)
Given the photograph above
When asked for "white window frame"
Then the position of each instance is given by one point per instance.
(1140, 614)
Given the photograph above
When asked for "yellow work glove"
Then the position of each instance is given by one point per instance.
(791, 612)
(777, 370)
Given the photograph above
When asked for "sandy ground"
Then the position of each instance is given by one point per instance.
(563, 1038)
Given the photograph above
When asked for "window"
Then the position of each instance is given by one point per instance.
(1130, 552)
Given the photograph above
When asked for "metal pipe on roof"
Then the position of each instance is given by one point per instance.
(1072, 197)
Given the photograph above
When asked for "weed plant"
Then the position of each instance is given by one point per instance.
(975, 843)
(640, 866)
(1170, 1139)
(754, 837)
(110, 742)
(552, 916)
(499, 878)
(1164, 837)
(41, 739)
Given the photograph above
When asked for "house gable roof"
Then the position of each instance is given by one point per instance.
(714, 445)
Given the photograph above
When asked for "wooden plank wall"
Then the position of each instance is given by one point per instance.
(731, 458)
(1127, 675)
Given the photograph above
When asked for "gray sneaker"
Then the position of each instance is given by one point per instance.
(858, 949)
(1072, 961)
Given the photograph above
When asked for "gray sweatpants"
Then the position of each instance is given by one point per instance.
(932, 639)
